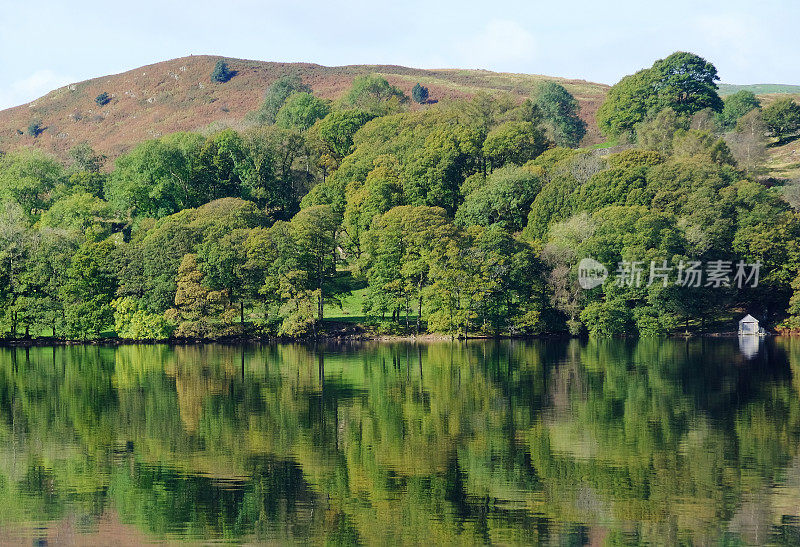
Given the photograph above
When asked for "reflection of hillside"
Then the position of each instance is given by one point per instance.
(444, 442)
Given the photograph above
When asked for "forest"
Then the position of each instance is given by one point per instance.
(460, 218)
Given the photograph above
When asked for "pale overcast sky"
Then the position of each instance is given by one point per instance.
(46, 44)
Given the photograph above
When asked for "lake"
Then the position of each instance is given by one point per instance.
(572, 443)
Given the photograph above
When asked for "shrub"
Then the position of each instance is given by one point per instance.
(222, 73)
(35, 128)
(419, 93)
(103, 99)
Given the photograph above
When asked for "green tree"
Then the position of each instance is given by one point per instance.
(607, 318)
(222, 259)
(314, 231)
(276, 96)
(373, 94)
(301, 111)
(87, 165)
(398, 252)
(158, 177)
(149, 264)
(736, 106)
(514, 142)
(222, 72)
(103, 99)
(29, 177)
(134, 323)
(683, 81)
(199, 312)
(419, 93)
(15, 247)
(267, 173)
(380, 192)
(560, 112)
(82, 213)
(89, 288)
(782, 118)
(485, 281)
(505, 198)
(86, 159)
(338, 128)
(35, 128)
(658, 133)
(217, 167)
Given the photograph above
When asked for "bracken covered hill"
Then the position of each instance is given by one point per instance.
(178, 95)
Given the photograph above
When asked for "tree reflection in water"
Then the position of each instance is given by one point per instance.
(580, 442)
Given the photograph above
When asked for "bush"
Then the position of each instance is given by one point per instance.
(419, 93)
(35, 128)
(134, 323)
(103, 99)
(222, 73)
(609, 318)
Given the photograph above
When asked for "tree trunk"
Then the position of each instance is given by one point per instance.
(419, 312)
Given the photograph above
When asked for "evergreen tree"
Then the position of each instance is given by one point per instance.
(419, 93)
(222, 73)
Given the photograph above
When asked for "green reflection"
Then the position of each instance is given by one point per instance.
(613, 442)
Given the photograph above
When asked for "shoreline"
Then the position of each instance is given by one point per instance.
(385, 338)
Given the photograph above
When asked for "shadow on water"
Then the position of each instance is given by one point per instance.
(620, 441)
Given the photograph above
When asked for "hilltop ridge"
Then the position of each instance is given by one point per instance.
(178, 95)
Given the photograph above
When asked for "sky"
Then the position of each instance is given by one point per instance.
(48, 44)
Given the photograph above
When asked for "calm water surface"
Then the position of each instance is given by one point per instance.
(572, 443)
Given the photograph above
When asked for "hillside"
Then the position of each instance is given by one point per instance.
(178, 95)
(758, 89)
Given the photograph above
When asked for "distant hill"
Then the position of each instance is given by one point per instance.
(758, 89)
(178, 95)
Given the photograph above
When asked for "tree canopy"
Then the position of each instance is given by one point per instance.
(683, 81)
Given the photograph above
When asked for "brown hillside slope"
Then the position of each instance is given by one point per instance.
(178, 95)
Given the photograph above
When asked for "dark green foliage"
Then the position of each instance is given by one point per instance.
(222, 73)
(683, 81)
(560, 111)
(419, 93)
(552, 204)
(267, 172)
(103, 99)
(89, 288)
(505, 198)
(35, 128)
(338, 128)
(150, 265)
(782, 118)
